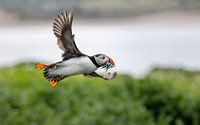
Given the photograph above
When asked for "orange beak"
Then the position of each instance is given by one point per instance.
(111, 61)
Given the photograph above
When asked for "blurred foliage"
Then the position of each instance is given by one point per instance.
(162, 97)
(33, 9)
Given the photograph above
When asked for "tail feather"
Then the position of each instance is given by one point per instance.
(54, 79)
(47, 72)
(51, 77)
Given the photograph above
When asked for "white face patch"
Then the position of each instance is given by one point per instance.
(101, 59)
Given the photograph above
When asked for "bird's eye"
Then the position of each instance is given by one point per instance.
(102, 57)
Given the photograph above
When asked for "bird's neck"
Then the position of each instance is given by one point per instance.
(94, 61)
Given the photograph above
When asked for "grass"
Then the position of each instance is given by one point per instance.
(163, 97)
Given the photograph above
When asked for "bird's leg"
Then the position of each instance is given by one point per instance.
(53, 83)
(40, 66)
(55, 80)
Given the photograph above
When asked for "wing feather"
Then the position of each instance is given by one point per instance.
(62, 30)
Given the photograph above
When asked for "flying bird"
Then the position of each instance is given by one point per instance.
(74, 61)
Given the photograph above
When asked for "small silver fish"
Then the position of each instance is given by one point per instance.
(107, 66)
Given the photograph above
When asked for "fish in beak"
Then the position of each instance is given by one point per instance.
(109, 64)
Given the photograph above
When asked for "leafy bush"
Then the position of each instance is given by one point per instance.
(163, 97)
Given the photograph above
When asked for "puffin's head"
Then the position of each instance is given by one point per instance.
(104, 61)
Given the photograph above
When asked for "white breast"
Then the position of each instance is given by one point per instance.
(74, 66)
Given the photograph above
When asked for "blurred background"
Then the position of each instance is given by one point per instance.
(155, 45)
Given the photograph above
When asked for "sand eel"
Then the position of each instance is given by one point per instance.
(74, 61)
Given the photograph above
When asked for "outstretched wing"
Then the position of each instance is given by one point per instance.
(62, 28)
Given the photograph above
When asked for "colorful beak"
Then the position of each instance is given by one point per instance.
(109, 64)
(112, 62)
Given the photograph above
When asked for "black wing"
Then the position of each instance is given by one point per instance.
(62, 28)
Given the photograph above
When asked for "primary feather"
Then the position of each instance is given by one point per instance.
(62, 28)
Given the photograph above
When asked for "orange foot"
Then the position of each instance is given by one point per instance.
(40, 66)
(53, 84)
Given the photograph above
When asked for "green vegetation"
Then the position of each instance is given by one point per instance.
(162, 97)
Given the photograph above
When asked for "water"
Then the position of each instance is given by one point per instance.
(135, 49)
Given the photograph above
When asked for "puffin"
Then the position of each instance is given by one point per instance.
(74, 62)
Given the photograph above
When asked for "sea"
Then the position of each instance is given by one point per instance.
(136, 49)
